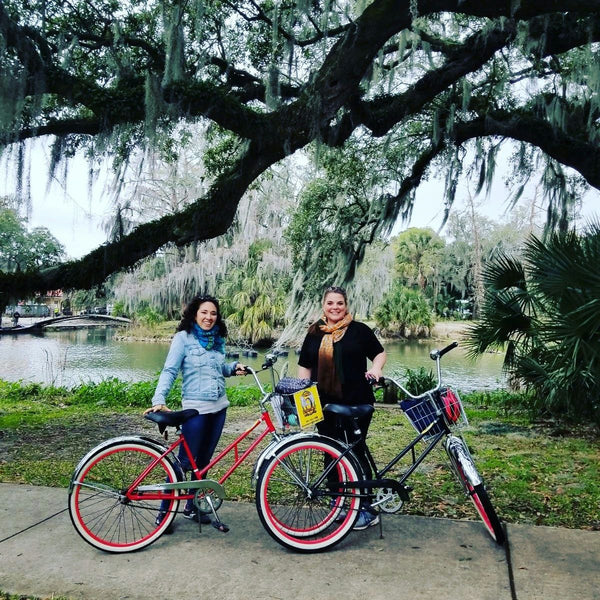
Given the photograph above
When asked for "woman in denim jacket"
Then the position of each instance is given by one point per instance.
(198, 351)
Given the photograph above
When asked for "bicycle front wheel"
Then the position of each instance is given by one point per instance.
(302, 507)
(482, 503)
(101, 510)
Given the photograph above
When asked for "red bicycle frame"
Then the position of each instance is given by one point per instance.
(134, 494)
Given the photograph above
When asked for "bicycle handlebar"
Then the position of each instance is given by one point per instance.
(435, 354)
(270, 360)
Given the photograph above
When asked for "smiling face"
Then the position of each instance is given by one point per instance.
(206, 317)
(334, 307)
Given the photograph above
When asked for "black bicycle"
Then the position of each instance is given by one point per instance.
(310, 488)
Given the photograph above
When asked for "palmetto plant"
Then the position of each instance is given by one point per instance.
(404, 310)
(544, 312)
(253, 299)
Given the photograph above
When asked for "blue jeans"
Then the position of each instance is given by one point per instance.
(202, 434)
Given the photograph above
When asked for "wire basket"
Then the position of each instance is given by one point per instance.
(435, 412)
(284, 410)
(282, 401)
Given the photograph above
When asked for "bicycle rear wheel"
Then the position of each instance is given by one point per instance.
(103, 514)
(301, 507)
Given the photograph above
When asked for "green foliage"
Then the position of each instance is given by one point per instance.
(418, 381)
(417, 256)
(119, 308)
(243, 395)
(148, 315)
(338, 215)
(119, 394)
(22, 250)
(544, 313)
(254, 297)
(87, 299)
(404, 312)
(109, 393)
(16, 392)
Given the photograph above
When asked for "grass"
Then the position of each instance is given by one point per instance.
(537, 472)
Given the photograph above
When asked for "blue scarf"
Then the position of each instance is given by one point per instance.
(210, 340)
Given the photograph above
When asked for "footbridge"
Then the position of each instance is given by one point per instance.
(74, 320)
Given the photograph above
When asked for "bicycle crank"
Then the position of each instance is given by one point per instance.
(388, 501)
(209, 496)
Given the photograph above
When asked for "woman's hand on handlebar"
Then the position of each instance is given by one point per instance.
(373, 375)
(241, 369)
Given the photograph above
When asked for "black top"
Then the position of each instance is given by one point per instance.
(358, 344)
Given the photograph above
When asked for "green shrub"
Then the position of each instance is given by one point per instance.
(243, 395)
(19, 391)
(418, 381)
(112, 393)
(147, 315)
(116, 393)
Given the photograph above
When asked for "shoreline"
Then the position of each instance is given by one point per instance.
(441, 331)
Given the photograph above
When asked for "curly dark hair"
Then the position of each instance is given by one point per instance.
(188, 317)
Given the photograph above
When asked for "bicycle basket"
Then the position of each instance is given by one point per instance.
(423, 411)
(282, 401)
(450, 403)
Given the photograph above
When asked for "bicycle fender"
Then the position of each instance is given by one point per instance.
(132, 439)
(458, 453)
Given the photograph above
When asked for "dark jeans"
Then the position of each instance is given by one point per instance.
(333, 427)
(202, 433)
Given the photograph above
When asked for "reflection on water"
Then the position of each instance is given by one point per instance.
(71, 357)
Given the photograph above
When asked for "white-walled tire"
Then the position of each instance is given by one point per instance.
(99, 508)
(300, 507)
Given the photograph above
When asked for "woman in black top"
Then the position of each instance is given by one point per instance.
(334, 354)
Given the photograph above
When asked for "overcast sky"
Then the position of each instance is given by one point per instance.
(75, 217)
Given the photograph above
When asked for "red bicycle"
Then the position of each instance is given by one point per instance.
(120, 486)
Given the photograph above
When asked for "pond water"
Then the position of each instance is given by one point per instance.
(70, 357)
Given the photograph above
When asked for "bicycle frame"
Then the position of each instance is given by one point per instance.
(380, 481)
(453, 445)
(164, 491)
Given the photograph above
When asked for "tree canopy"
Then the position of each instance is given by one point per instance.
(420, 81)
(23, 250)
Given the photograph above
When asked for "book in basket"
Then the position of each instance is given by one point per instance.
(308, 405)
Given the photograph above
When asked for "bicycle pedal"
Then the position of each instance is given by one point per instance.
(220, 526)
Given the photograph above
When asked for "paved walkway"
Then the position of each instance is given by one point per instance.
(417, 558)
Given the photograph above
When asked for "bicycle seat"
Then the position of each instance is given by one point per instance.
(343, 410)
(173, 418)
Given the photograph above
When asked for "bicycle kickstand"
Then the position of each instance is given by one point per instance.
(217, 523)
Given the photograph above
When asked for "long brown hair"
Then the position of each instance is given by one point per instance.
(188, 317)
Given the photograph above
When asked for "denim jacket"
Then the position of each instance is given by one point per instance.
(203, 371)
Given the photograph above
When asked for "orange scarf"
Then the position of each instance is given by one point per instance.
(331, 375)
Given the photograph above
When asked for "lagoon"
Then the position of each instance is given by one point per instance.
(70, 357)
